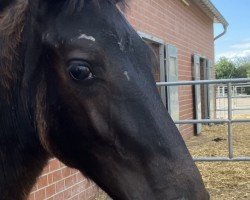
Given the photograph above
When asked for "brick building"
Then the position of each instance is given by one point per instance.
(181, 34)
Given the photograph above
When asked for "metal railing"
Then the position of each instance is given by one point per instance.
(239, 90)
(229, 119)
(240, 99)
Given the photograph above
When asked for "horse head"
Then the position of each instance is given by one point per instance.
(95, 102)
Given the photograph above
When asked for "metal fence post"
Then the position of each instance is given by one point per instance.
(230, 128)
(229, 121)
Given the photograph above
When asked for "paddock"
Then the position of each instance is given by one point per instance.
(224, 180)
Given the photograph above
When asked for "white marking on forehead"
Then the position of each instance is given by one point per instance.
(122, 48)
(127, 76)
(84, 36)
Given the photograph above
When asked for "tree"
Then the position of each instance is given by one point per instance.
(239, 61)
(225, 68)
(243, 71)
(236, 68)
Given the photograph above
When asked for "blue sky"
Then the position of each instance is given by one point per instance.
(236, 42)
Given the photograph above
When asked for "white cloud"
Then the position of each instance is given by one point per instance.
(241, 46)
(234, 54)
(236, 51)
(247, 40)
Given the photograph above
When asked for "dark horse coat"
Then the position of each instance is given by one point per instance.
(4, 4)
(76, 83)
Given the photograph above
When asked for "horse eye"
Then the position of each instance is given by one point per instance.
(79, 70)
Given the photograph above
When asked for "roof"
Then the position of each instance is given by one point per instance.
(208, 7)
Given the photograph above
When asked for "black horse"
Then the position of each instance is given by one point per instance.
(76, 83)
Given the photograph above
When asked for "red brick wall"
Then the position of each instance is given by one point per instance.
(186, 27)
(59, 182)
(191, 31)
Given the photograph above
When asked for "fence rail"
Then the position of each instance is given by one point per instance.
(204, 82)
(229, 121)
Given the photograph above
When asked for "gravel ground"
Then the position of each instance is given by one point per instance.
(224, 180)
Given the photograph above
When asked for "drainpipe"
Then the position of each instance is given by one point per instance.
(221, 34)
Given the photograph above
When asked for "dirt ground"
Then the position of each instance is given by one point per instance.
(224, 180)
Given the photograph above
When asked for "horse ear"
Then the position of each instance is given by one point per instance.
(4, 4)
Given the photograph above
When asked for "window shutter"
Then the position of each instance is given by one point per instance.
(210, 90)
(172, 76)
(197, 91)
(162, 74)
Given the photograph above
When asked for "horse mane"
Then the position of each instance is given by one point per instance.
(11, 27)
